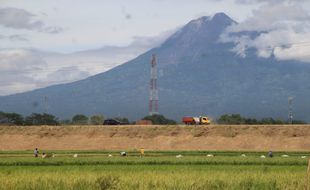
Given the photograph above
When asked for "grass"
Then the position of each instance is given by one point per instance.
(158, 170)
(167, 160)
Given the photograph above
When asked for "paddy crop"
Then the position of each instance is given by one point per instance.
(99, 171)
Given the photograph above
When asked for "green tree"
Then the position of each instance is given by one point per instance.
(65, 122)
(3, 118)
(251, 121)
(267, 121)
(233, 119)
(41, 119)
(299, 122)
(122, 119)
(160, 120)
(15, 118)
(80, 119)
(96, 119)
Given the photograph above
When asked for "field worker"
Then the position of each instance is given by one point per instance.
(123, 153)
(142, 152)
(36, 152)
(270, 154)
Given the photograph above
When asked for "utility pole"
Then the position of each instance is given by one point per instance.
(45, 104)
(153, 101)
(290, 110)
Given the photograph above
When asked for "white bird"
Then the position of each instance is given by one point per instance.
(262, 156)
(284, 156)
(243, 155)
(179, 156)
(75, 155)
(303, 156)
(210, 155)
(110, 155)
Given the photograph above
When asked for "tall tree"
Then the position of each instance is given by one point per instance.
(80, 119)
(41, 119)
(96, 119)
(15, 118)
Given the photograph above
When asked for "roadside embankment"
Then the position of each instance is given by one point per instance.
(213, 137)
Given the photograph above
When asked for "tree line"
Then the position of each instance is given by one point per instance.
(80, 119)
(49, 119)
(237, 119)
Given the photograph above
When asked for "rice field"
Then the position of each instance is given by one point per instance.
(156, 170)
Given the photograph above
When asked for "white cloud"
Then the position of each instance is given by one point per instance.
(64, 75)
(22, 19)
(22, 70)
(17, 37)
(25, 69)
(274, 29)
(268, 1)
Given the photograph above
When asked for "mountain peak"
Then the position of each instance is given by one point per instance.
(204, 30)
(200, 21)
(220, 15)
(217, 17)
(218, 20)
(222, 18)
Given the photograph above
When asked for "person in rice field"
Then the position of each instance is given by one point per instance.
(36, 152)
(142, 152)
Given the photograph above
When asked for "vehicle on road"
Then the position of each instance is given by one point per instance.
(201, 120)
(113, 122)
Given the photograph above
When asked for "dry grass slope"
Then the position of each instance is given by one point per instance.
(214, 137)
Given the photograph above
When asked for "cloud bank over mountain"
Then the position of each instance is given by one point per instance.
(27, 69)
(87, 44)
(276, 30)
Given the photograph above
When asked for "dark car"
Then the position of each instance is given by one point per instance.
(113, 122)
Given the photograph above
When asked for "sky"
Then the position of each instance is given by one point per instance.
(45, 42)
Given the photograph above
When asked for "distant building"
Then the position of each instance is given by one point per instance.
(144, 122)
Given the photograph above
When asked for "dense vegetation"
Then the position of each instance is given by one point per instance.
(160, 120)
(156, 170)
(80, 119)
(237, 119)
(33, 119)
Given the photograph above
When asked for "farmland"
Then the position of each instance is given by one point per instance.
(176, 157)
(157, 170)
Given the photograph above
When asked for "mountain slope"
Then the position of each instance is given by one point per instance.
(197, 75)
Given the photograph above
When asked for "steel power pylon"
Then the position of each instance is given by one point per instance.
(153, 102)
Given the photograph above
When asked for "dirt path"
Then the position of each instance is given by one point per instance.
(286, 138)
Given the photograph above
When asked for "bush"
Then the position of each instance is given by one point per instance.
(41, 119)
(80, 119)
(122, 119)
(233, 119)
(237, 119)
(96, 119)
(160, 120)
(11, 118)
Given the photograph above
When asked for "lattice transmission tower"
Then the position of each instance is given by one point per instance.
(153, 102)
